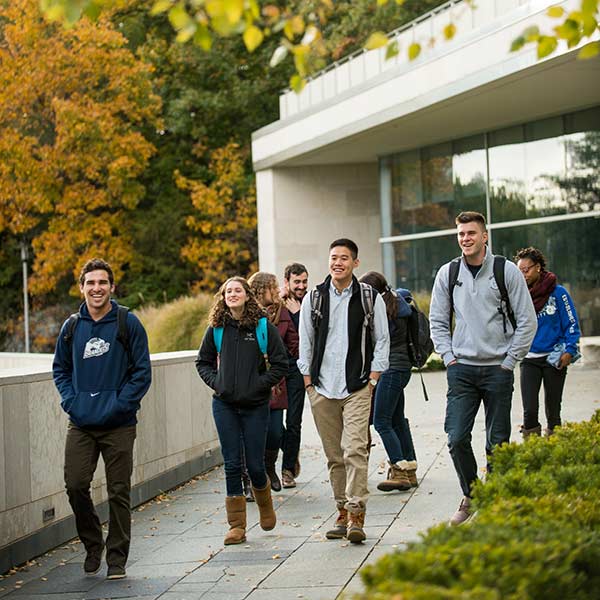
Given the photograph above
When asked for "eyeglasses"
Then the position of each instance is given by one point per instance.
(526, 270)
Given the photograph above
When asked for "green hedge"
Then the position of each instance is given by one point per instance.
(536, 533)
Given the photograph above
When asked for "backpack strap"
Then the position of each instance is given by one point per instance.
(262, 336)
(70, 329)
(218, 338)
(452, 281)
(316, 306)
(367, 300)
(505, 308)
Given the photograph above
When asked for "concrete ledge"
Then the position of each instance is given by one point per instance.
(64, 530)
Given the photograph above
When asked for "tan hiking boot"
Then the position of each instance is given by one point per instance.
(356, 532)
(397, 478)
(267, 516)
(236, 517)
(341, 526)
(287, 479)
(463, 514)
(411, 473)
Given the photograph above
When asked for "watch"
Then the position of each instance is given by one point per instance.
(373, 381)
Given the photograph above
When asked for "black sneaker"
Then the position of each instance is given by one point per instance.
(116, 572)
(92, 562)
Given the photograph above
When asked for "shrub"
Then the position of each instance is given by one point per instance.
(536, 533)
(178, 325)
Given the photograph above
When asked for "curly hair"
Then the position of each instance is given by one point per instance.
(96, 264)
(533, 254)
(378, 282)
(261, 282)
(220, 313)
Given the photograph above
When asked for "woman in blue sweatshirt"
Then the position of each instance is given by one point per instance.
(554, 346)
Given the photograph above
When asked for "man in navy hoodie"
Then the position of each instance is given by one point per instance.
(102, 376)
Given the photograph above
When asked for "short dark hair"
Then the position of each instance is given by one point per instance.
(470, 216)
(346, 243)
(294, 269)
(96, 264)
(533, 254)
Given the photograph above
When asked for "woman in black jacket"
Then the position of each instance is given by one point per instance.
(242, 378)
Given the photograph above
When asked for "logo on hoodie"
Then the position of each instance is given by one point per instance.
(95, 347)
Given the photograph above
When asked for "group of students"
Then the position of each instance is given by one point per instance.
(344, 345)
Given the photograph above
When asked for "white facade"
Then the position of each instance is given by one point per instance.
(318, 166)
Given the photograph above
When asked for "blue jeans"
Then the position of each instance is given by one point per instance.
(468, 385)
(389, 420)
(250, 424)
(275, 430)
(293, 418)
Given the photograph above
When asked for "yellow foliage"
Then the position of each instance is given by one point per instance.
(70, 152)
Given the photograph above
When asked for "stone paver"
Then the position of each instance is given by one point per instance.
(177, 551)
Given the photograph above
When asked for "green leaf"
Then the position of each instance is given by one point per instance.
(531, 34)
(92, 11)
(280, 53)
(589, 51)
(297, 83)
(517, 44)
(377, 39)
(160, 6)
(450, 31)
(253, 37)
(546, 45)
(203, 38)
(589, 6)
(414, 50)
(567, 30)
(186, 34)
(555, 12)
(178, 17)
(589, 24)
(392, 50)
(381, 2)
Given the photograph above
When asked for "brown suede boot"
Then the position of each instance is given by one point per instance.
(356, 532)
(236, 517)
(533, 431)
(270, 460)
(411, 473)
(341, 526)
(268, 519)
(397, 478)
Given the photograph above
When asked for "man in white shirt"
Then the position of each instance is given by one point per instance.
(344, 348)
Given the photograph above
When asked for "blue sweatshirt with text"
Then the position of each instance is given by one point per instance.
(557, 323)
(98, 387)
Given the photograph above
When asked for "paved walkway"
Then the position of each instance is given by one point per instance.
(177, 551)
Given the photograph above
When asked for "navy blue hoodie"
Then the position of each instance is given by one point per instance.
(97, 389)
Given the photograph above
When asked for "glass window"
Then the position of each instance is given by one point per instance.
(430, 186)
(572, 252)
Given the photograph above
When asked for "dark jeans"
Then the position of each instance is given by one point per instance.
(251, 425)
(275, 431)
(533, 372)
(389, 420)
(468, 385)
(293, 419)
(83, 447)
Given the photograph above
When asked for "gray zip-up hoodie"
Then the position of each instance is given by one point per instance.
(479, 337)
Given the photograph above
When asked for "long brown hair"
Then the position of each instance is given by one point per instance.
(220, 313)
(378, 282)
(259, 283)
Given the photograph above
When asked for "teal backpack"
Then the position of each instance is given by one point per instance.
(261, 336)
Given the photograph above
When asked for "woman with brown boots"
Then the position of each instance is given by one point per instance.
(266, 289)
(241, 358)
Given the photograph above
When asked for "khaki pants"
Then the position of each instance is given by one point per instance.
(343, 427)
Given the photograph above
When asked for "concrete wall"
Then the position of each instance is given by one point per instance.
(176, 440)
(301, 210)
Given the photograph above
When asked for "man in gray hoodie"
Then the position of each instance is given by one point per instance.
(482, 351)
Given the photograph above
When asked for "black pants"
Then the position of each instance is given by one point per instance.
(533, 372)
(293, 419)
(83, 447)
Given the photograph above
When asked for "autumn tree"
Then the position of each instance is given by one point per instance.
(224, 224)
(72, 107)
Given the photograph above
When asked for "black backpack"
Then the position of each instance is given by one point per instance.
(420, 345)
(122, 332)
(505, 309)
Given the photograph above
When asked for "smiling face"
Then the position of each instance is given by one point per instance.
(341, 266)
(96, 290)
(297, 285)
(235, 297)
(472, 238)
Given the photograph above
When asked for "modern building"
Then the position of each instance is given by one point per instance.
(388, 152)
